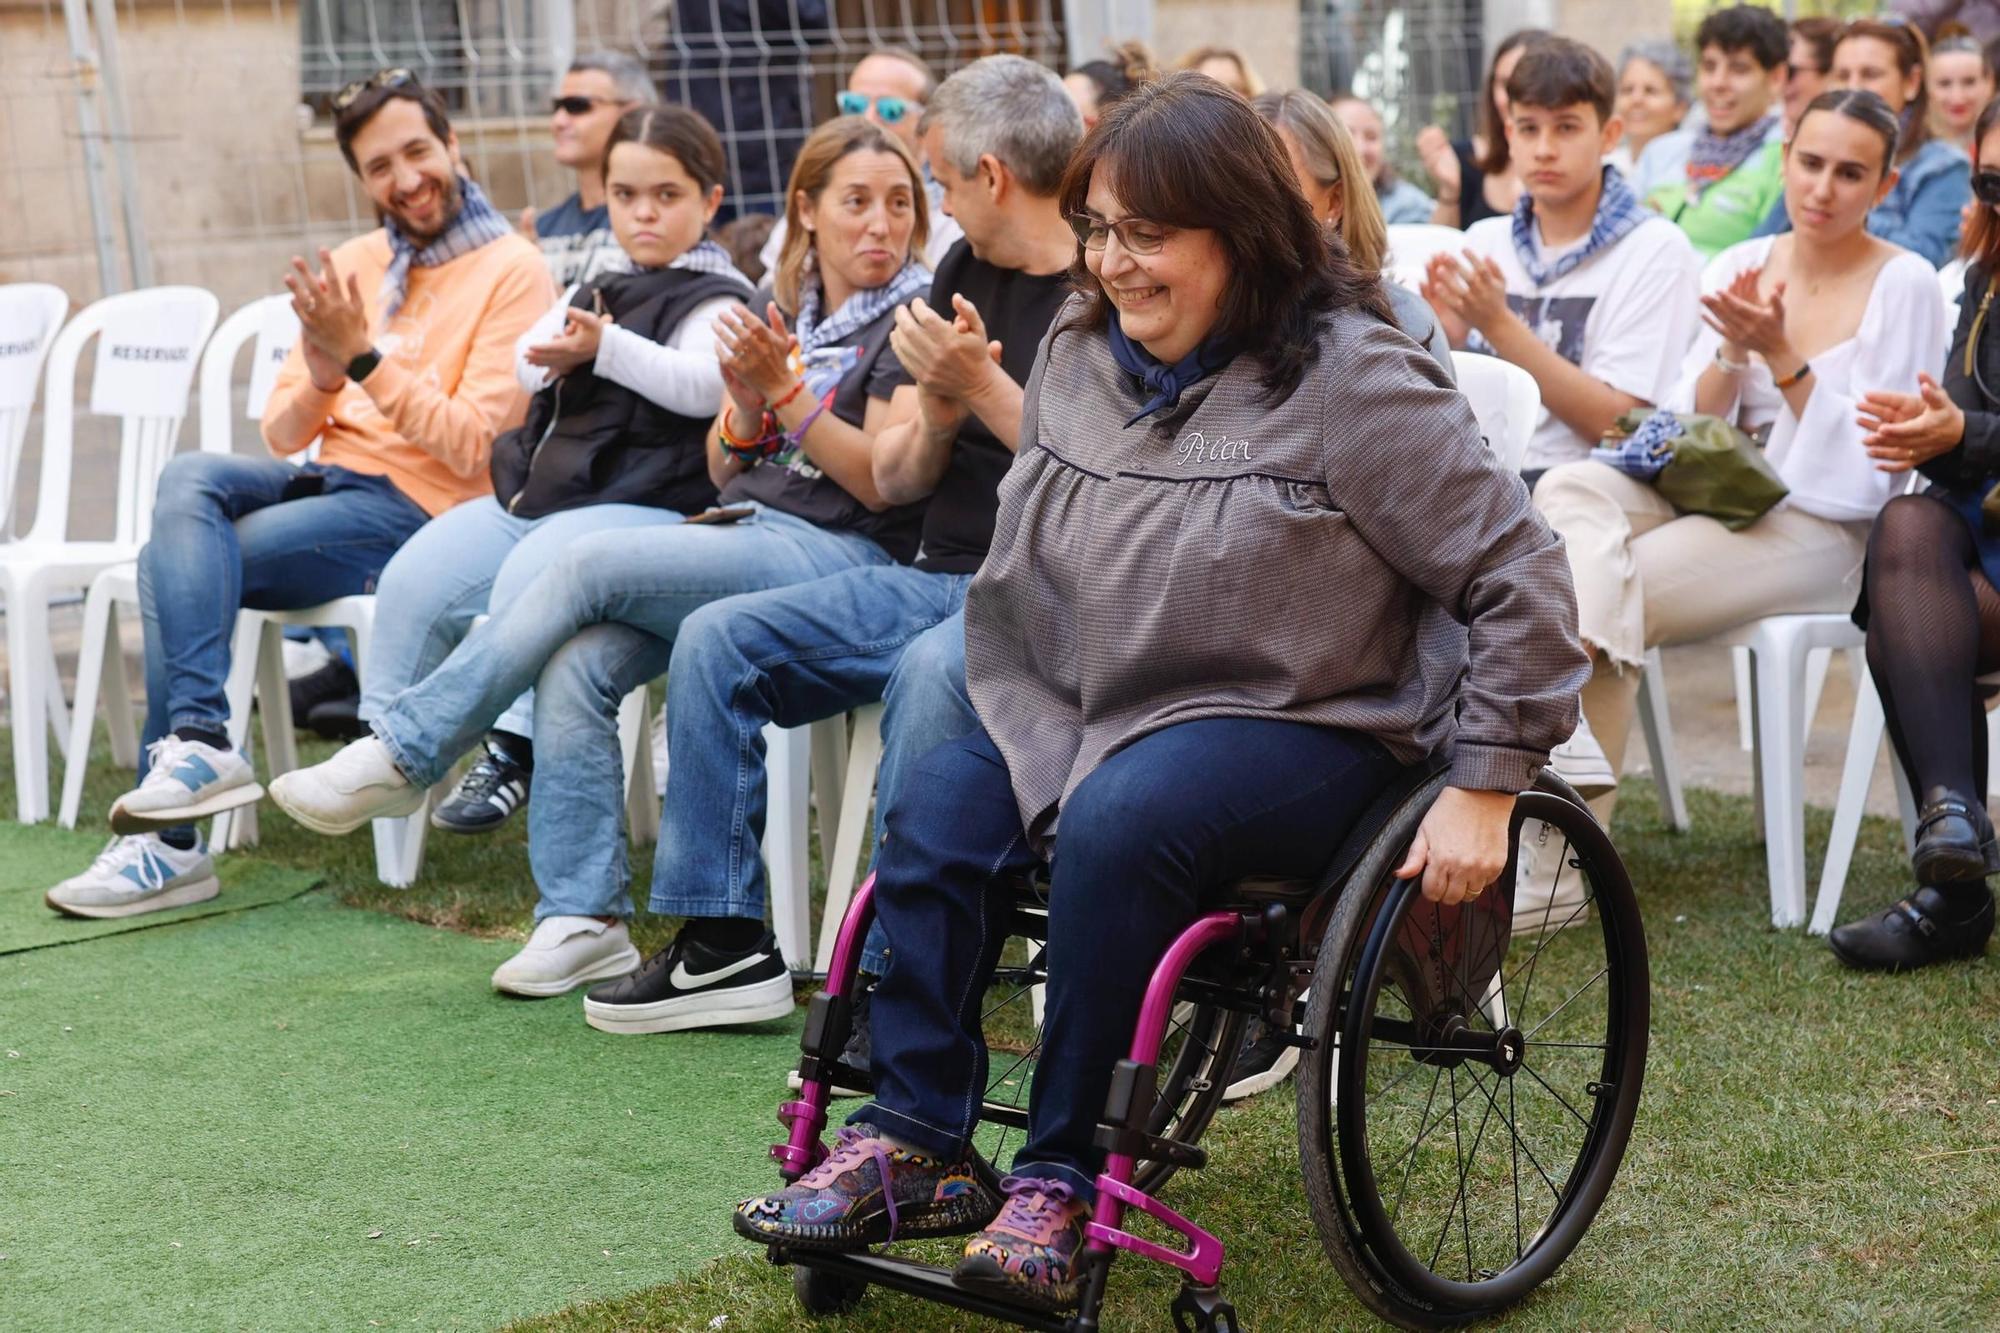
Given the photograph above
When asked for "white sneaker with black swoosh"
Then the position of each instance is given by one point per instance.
(689, 985)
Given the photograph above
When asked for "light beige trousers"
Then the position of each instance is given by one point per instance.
(1647, 576)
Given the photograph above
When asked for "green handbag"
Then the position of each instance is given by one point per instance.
(1715, 470)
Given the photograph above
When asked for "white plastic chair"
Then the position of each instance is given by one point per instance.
(1411, 245)
(1864, 743)
(31, 314)
(166, 328)
(265, 322)
(1506, 400)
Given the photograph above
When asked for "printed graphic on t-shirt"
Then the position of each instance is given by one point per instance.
(822, 371)
(1558, 321)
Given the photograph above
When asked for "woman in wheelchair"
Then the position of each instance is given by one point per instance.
(1252, 563)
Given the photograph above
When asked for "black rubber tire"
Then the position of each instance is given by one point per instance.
(823, 1293)
(1355, 1231)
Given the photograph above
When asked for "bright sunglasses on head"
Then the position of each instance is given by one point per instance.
(890, 109)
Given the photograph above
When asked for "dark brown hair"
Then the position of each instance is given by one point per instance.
(1981, 245)
(1912, 54)
(1186, 152)
(1495, 159)
(351, 118)
(1865, 108)
(1820, 34)
(676, 131)
(1557, 72)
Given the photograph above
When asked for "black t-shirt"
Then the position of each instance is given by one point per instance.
(792, 483)
(1017, 308)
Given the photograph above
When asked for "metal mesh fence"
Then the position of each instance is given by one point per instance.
(1420, 62)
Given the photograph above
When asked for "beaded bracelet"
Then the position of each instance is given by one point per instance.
(753, 451)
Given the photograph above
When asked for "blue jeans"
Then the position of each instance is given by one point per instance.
(225, 537)
(790, 656)
(609, 606)
(1145, 842)
(458, 564)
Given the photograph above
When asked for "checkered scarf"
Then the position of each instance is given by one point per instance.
(1618, 212)
(1714, 156)
(476, 224)
(857, 311)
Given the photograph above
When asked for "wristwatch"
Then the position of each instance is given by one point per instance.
(361, 367)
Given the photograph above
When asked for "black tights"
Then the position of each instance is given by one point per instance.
(1933, 625)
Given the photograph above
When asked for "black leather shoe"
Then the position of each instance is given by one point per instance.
(1954, 840)
(1929, 926)
(338, 720)
(332, 681)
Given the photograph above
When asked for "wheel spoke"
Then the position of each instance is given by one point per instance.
(1521, 1139)
(1397, 1211)
(1529, 1035)
(1547, 934)
(1581, 1119)
(1458, 1155)
(1515, 1140)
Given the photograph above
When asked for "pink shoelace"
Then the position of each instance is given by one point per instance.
(851, 1148)
(1033, 1203)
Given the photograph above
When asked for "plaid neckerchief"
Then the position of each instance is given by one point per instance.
(857, 311)
(1714, 155)
(1618, 212)
(477, 224)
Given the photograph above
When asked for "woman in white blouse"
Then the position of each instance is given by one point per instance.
(1799, 327)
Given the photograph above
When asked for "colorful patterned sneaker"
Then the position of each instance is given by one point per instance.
(1028, 1254)
(185, 781)
(840, 1205)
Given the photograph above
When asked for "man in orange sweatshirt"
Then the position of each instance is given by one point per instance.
(404, 373)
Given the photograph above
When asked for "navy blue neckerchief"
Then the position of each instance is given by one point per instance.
(1167, 383)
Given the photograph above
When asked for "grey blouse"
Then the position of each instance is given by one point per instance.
(1348, 557)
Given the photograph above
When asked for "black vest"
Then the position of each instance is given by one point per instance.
(590, 441)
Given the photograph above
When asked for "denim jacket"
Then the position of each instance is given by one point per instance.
(1921, 212)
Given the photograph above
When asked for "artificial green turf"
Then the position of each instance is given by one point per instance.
(315, 1117)
(32, 859)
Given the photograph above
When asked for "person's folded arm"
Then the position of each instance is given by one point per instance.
(682, 376)
(458, 428)
(532, 378)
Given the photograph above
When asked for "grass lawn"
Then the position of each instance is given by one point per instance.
(1815, 1148)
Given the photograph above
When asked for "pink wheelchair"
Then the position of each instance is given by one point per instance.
(1465, 1093)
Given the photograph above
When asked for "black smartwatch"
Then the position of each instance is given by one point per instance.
(361, 367)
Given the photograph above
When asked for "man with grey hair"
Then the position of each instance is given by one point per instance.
(1000, 133)
(575, 235)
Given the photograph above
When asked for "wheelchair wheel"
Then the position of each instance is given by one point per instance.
(1200, 1046)
(1472, 1092)
(822, 1293)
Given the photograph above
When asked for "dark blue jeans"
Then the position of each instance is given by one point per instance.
(1145, 843)
(232, 532)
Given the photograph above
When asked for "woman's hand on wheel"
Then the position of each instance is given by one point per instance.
(1461, 847)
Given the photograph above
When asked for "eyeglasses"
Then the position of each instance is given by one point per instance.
(1136, 235)
(1986, 186)
(890, 109)
(576, 106)
(381, 78)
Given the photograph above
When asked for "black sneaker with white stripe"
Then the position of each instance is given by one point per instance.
(491, 790)
(690, 985)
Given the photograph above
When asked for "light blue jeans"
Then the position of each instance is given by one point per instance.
(610, 600)
(463, 562)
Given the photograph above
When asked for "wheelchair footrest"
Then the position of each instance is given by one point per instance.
(918, 1279)
(1201, 1260)
(1144, 1147)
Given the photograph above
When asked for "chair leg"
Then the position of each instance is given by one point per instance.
(1778, 707)
(829, 771)
(1818, 660)
(785, 848)
(1657, 723)
(27, 631)
(234, 829)
(119, 719)
(635, 737)
(1746, 724)
(1864, 743)
(849, 854)
(100, 625)
(52, 700)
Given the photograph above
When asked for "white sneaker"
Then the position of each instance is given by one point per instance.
(137, 874)
(1549, 893)
(563, 953)
(358, 784)
(1580, 762)
(185, 781)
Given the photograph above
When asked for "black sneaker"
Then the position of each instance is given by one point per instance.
(1264, 1061)
(859, 1045)
(338, 720)
(689, 985)
(491, 790)
(333, 681)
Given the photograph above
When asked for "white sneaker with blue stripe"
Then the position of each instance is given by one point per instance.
(137, 874)
(185, 781)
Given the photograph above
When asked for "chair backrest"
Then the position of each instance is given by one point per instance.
(1506, 400)
(270, 326)
(30, 315)
(1411, 245)
(149, 343)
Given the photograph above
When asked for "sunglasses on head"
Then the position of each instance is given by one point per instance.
(576, 106)
(1986, 187)
(890, 109)
(381, 78)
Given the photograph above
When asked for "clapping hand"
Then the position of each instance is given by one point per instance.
(333, 322)
(755, 354)
(948, 358)
(1472, 290)
(576, 345)
(1907, 430)
(1747, 321)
